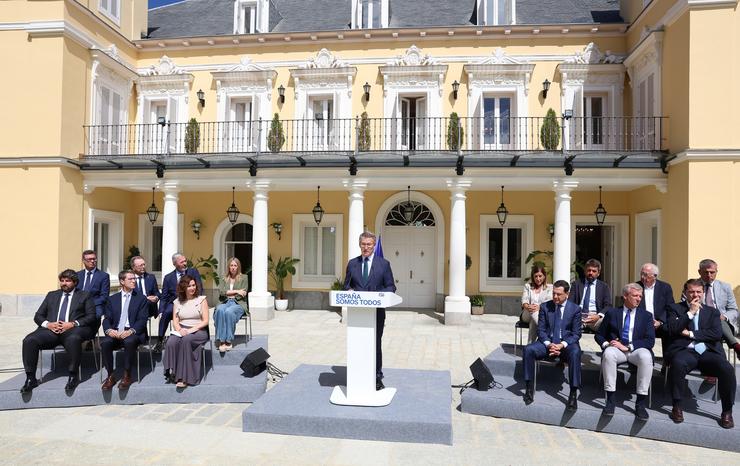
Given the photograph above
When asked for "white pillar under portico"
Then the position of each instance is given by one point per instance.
(261, 302)
(170, 227)
(356, 221)
(457, 304)
(561, 238)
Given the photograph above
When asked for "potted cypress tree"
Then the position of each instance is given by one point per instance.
(550, 131)
(455, 133)
(363, 141)
(276, 136)
(192, 136)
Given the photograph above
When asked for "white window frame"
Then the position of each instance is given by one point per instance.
(323, 139)
(642, 238)
(259, 18)
(513, 114)
(104, 6)
(482, 9)
(510, 284)
(300, 280)
(114, 254)
(357, 14)
(146, 241)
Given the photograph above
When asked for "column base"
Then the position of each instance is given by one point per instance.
(262, 307)
(457, 310)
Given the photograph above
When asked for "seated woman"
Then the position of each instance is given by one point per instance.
(190, 323)
(232, 293)
(536, 292)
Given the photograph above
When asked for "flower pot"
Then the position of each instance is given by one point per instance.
(281, 304)
(477, 310)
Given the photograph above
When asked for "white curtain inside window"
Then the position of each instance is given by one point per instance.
(310, 250)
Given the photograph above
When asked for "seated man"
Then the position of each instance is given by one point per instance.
(627, 334)
(558, 333)
(719, 295)
(696, 342)
(124, 325)
(66, 317)
(593, 295)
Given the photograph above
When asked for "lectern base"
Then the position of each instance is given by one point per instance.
(378, 398)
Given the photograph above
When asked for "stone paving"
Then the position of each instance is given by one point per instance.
(211, 433)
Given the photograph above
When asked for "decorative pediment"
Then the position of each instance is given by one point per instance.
(323, 59)
(324, 72)
(245, 64)
(413, 57)
(499, 57)
(165, 67)
(591, 55)
(499, 70)
(246, 76)
(577, 74)
(164, 77)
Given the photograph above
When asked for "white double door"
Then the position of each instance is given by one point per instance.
(411, 251)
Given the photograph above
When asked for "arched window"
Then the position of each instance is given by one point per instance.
(422, 217)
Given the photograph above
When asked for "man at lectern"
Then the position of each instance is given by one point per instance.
(368, 272)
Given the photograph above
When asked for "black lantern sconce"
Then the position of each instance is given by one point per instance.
(455, 88)
(195, 226)
(152, 212)
(201, 97)
(545, 88)
(408, 208)
(551, 230)
(281, 94)
(366, 89)
(318, 211)
(233, 212)
(600, 211)
(502, 212)
(278, 227)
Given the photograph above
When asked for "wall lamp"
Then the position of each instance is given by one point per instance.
(278, 227)
(281, 94)
(568, 114)
(455, 88)
(551, 230)
(545, 88)
(161, 121)
(195, 226)
(201, 97)
(366, 88)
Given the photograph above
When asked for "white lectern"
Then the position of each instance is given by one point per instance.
(360, 389)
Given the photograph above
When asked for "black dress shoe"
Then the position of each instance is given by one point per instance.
(379, 385)
(726, 420)
(608, 410)
(676, 415)
(72, 383)
(528, 396)
(30, 384)
(572, 400)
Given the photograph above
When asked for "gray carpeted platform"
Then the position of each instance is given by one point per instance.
(701, 414)
(299, 405)
(224, 383)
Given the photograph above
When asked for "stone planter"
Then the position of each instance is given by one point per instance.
(281, 304)
(477, 310)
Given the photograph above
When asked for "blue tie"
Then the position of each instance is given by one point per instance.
(556, 330)
(365, 273)
(587, 296)
(124, 313)
(63, 310)
(626, 328)
(88, 281)
(699, 347)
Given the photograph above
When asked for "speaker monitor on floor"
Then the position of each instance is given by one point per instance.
(481, 375)
(255, 362)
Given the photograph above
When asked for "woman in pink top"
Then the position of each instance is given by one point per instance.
(182, 354)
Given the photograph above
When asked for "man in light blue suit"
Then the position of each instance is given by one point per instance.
(94, 281)
(719, 295)
(558, 336)
(370, 272)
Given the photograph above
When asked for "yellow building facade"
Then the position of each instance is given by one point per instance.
(97, 112)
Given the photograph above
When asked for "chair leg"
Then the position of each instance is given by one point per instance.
(249, 318)
(138, 366)
(41, 364)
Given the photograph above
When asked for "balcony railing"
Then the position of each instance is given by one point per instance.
(478, 134)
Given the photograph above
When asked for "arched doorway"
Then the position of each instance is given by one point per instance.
(234, 241)
(411, 249)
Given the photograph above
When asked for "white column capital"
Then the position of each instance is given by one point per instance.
(355, 186)
(458, 186)
(564, 186)
(260, 186)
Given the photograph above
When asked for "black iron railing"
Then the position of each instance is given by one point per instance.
(467, 134)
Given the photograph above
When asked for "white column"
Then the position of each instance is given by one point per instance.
(457, 305)
(561, 239)
(170, 228)
(356, 223)
(261, 303)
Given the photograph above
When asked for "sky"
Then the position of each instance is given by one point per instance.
(156, 3)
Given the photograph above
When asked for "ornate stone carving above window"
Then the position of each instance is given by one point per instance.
(324, 71)
(499, 70)
(244, 77)
(164, 77)
(591, 55)
(413, 69)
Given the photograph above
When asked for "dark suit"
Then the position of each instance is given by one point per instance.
(603, 295)
(99, 288)
(151, 288)
(711, 362)
(169, 295)
(568, 331)
(380, 278)
(662, 298)
(81, 311)
(138, 314)
(643, 331)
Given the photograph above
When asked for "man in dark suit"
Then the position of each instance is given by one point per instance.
(657, 296)
(169, 293)
(696, 341)
(94, 281)
(627, 334)
(558, 336)
(368, 272)
(593, 295)
(66, 317)
(146, 284)
(718, 294)
(124, 325)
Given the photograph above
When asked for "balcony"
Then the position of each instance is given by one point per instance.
(614, 139)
